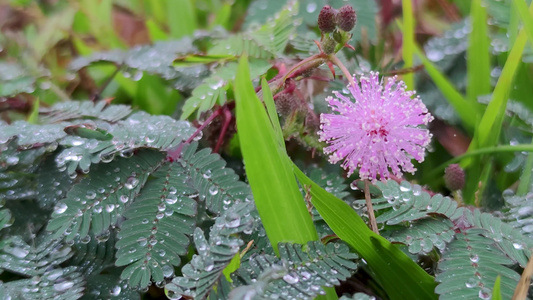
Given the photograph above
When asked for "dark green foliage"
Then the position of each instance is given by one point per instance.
(301, 274)
(15, 79)
(157, 228)
(96, 202)
(470, 265)
(215, 253)
(156, 59)
(463, 235)
(519, 214)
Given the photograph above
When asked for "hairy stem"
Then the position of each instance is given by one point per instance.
(334, 59)
(370, 209)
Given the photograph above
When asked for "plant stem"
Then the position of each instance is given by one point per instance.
(370, 209)
(334, 59)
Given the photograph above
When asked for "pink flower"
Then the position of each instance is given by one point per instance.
(379, 131)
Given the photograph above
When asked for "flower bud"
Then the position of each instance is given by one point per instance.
(326, 19)
(346, 18)
(286, 104)
(454, 177)
(328, 45)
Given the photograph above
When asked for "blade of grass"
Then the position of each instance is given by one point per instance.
(181, 18)
(277, 196)
(408, 42)
(463, 107)
(497, 291)
(525, 178)
(438, 171)
(400, 276)
(478, 54)
(490, 126)
(488, 130)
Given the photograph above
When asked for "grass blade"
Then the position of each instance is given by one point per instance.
(463, 107)
(396, 272)
(277, 196)
(478, 54)
(408, 44)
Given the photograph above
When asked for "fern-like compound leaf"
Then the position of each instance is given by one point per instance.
(215, 184)
(469, 267)
(155, 59)
(65, 111)
(205, 268)
(93, 254)
(422, 236)
(408, 203)
(57, 283)
(157, 227)
(301, 272)
(95, 203)
(520, 213)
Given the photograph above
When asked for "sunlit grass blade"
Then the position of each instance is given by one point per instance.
(277, 196)
(400, 276)
(478, 54)
(408, 44)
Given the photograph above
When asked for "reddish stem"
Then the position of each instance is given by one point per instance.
(227, 120)
(174, 154)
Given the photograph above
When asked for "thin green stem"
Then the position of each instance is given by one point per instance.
(488, 150)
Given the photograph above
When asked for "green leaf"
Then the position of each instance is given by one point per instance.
(496, 291)
(277, 197)
(233, 265)
(396, 272)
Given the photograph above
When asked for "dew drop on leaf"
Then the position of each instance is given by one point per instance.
(60, 208)
(115, 291)
(213, 190)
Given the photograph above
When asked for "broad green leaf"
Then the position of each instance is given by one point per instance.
(395, 271)
(277, 197)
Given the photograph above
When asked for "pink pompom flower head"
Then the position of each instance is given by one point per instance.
(378, 132)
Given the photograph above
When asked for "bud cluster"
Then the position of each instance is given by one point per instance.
(329, 19)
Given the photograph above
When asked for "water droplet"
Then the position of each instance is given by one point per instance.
(474, 258)
(115, 291)
(291, 279)
(311, 7)
(518, 246)
(145, 221)
(60, 208)
(485, 293)
(168, 271)
(471, 282)
(207, 174)
(131, 182)
(354, 186)
(213, 190)
(124, 198)
(86, 239)
(142, 241)
(172, 190)
(63, 286)
(110, 207)
(90, 195)
(171, 199)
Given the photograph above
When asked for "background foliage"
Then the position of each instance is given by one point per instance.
(108, 189)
